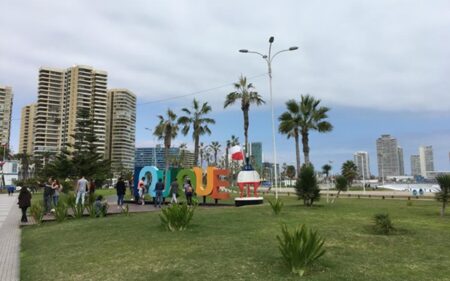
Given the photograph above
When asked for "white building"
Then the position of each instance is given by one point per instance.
(361, 159)
(426, 160)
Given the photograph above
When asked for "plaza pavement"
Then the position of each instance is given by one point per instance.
(9, 237)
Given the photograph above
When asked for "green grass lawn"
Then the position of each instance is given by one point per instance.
(229, 243)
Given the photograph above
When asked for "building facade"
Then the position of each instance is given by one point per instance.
(26, 129)
(121, 129)
(387, 156)
(6, 103)
(154, 156)
(256, 155)
(401, 162)
(361, 159)
(415, 165)
(426, 160)
(47, 121)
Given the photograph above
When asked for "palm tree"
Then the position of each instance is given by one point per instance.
(182, 154)
(167, 130)
(326, 170)
(305, 116)
(290, 122)
(350, 171)
(196, 118)
(215, 147)
(231, 142)
(244, 92)
(25, 160)
(443, 195)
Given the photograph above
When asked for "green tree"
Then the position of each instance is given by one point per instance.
(326, 170)
(246, 94)
(306, 186)
(167, 130)
(305, 116)
(341, 185)
(25, 161)
(196, 119)
(350, 171)
(290, 172)
(215, 147)
(290, 122)
(443, 195)
(85, 159)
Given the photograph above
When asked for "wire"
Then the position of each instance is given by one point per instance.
(197, 92)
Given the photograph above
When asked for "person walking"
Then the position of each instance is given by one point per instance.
(120, 188)
(174, 191)
(24, 202)
(188, 191)
(159, 188)
(141, 190)
(81, 189)
(92, 186)
(48, 194)
(56, 189)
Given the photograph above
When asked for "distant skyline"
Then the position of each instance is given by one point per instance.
(381, 66)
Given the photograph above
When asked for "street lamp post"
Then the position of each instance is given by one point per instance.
(269, 58)
(154, 148)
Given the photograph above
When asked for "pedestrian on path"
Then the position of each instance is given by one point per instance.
(159, 188)
(188, 191)
(120, 188)
(141, 190)
(81, 189)
(56, 189)
(24, 202)
(174, 191)
(48, 194)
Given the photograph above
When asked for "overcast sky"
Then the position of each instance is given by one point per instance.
(382, 66)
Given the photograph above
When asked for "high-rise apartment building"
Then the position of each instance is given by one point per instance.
(84, 88)
(154, 156)
(27, 129)
(256, 155)
(415, 165)
(388, 156)
(426, 160)
(401, 162)
(6, 103)
(361, 159)
(47, 121)
(120, 129)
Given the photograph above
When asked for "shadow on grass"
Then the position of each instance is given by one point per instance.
(371, 230)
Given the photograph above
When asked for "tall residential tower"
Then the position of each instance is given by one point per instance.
(388, 156)
(426, 160)
(6, 103)
(361, 159)
(27, 129)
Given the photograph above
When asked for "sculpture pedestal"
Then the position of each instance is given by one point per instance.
(244, 201)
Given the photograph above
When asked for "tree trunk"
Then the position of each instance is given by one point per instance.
(246, 130)
(305, 142)
(196, 144)
(297, 153)
(226, 157)
(443, 209)
(215, 158)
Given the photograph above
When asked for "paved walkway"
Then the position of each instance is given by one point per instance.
(9, 238)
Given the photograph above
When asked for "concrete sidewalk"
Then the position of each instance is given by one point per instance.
(9, 237)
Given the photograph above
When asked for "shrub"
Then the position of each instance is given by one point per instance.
(126, 210)
(177, 217)
(37, 211)
(300, 249)
(277, 205)
(61, 211)
(306, 186)
(444, 194)
(70, 201)
(79, 210)
(383, 224)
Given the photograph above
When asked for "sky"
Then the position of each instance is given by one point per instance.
(381, 66)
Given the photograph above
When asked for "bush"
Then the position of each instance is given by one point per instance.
(444, 194)
(177, 217)
(70, 200)
(306, 186)
(37, 211)
(61, 211)
(301, 248)
(277, 205)
(383, 224)
(126, 210)
(79, 211)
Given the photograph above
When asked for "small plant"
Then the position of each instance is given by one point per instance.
(301, 248)
(444, 194)
(37, 211)
(306, 186)
(61, 211)
(177, 217)
(70, 201)
(383, 224)
(90, 208)
(277, 205)
(409, 203)
(79, 210)
(126, 210)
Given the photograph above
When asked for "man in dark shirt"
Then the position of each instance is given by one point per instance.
(48, 194)
(159, 188)
(121, 188)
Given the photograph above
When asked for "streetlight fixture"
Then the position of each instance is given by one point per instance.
(154, 148)
(269, 58)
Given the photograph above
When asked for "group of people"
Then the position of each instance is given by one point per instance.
(159, 190)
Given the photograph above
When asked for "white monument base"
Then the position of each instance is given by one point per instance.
(244, 201)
